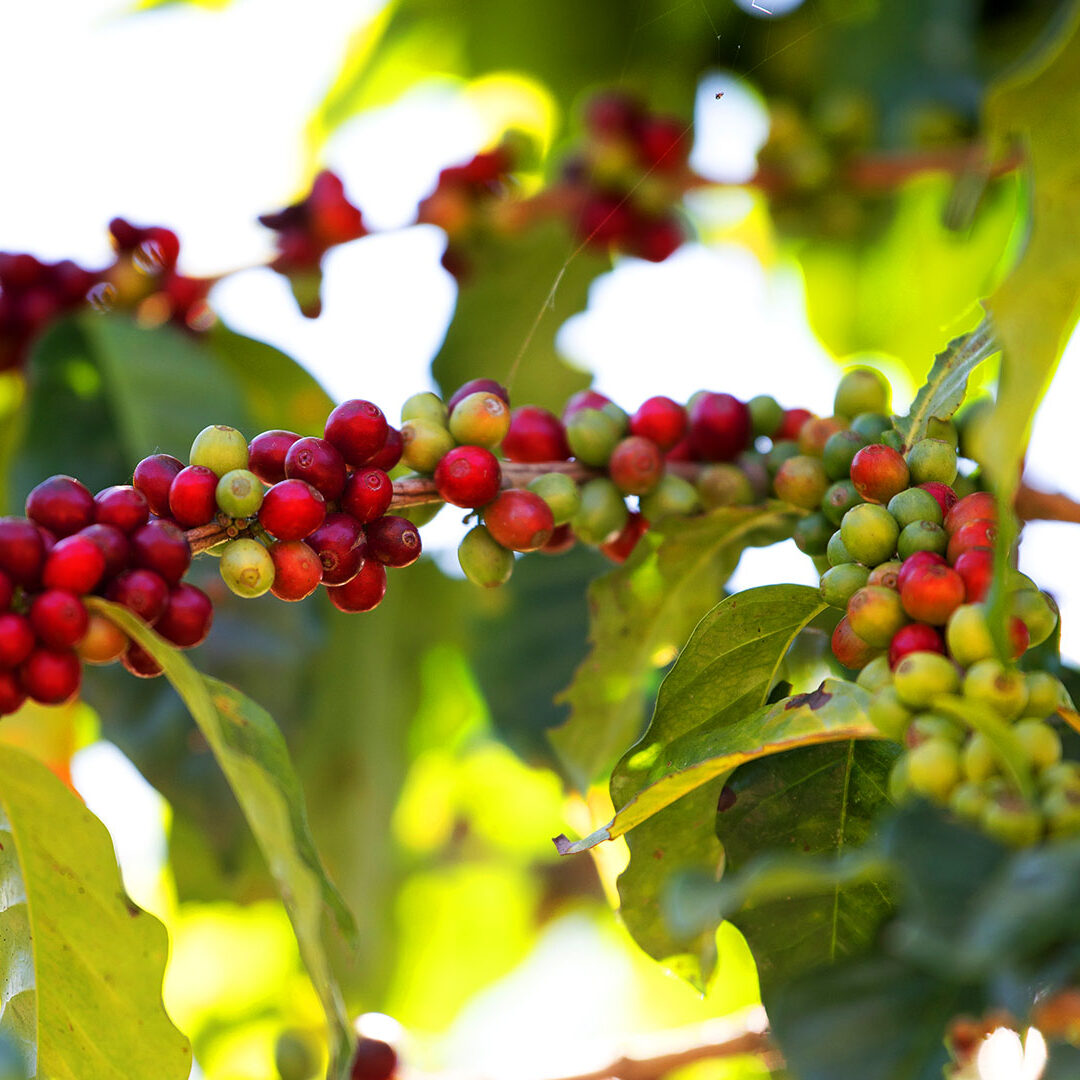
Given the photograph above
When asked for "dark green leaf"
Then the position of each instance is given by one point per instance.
(1064, 1062)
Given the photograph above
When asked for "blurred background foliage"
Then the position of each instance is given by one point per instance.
(420, 731)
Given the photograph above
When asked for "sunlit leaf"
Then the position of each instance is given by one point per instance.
(82, 964)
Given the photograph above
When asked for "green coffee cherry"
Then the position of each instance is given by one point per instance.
(724, 485)
(840, 583)
(560, 493)
(967, 635)
(921, 536)
(1037, 611)
(780, 452)
(1064, 775)
(934, 768)
(1009, 819)
(424, 444)
(239, 494)
(813, 533)
(673, 496)
(619, 415)
(835, 551)
(1041, 743)
(876, 675)
(892, 439)
(931, 460)
(875, 614)
(1046, 694)
(944, 431)
(220, 449)
(871, 425)
(602, 513)
(425, 406)
(930, 725)
(296, 1057)
(801, 480)
(870, 533)
(889, 714)
(766, 415)
(862, 390)
(899, 782)
(980, 760)
(922, 676)
(246, 567)
(756, 472)
(480, 419)
(839, 499)
(914, 504)
(1001, 689)
(592, 436)
(1061, 808)
(968, 801)
(968, 422)
(484, 561)
(840, 450)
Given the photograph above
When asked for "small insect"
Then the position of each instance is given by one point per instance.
(719, 94)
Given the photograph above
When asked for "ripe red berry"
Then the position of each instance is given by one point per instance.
(619, 549)
(297, 569)
(519, 520)
(373, 1060)
(75, 563)
(160, 546)
(58, 618)
(61, 504)
(612, 113)
(1019, 636)
(7, 591)
(562, 540)
(720, 427)
(394, 541)
(656, 238)
(51, 676)
(976, 567)
(477, 386)
(357, 429)
(192, 496)
(113, 545)
(367, 494)
(535, 435)
(390, 454)
(978, 506)
(915, 637)
(915, 561)
(364, 592)
(140, 663)
(339, 543)
(932, 593)
(662, 420)
(946, 497)
(153, 477)
(292, 509)
(266, 454)
(12, 695)
(792, 424)
(123, 506)
(468, 476)
(22, 550)
(636, 465)
(849, 648)
(982, 532)
(319, 463)
(584, 399)
(879, 472)
(16, 639)
(662, 142)
(141, 591)
(187, 617)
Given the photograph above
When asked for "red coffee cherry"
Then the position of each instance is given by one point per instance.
(946, 497)
(535, 435)
(192, 496)
(318, 463)
(519, 520)
(364, 592)
(7, 591)
(141, 591)
(187, 617)
(22, 550)
(12, 695)
(662, 420)
(58, 618)
(915, 637)
(292, 510)
(477, 386)
(17, 639)
(51, 676)
(373, 1060)
(792, 424)
(339, 543)
(394, 541)
(390, 454)
(266, 454)
(849, 648)
(357, 429)
(931, 594)
(367, 495)
(160, 546)
(297, 570)
(562, 540)
(879, 472)
(978, 506)
(636, 465)
(76, 563)
(1019, 636)
(620, 548)
(720, 427)
(915, 561)
(974, 534)
(61, 504)
(468, 476)
(976, 567)
(113, 545)
(122, 506)
(153, 477)
(140, 663)
(655, 238)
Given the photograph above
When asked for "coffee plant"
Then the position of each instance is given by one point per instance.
(876, 781)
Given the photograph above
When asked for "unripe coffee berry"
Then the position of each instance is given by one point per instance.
(368, 494)
(801, 480)
(932, 461)
(358, 430)
(839, 452)
(862, 390)
(292, 510)
(602, 514)
(836, 552)
(886, 574)
(878, 473)
(267, 454)
(192, 499)
(724, 485)
(636, 465)
(584, 399)
(914, 504)
(991, 683)
(839, 499)
(424, 444)
(922, 676)
(187, 617)
(122, 506)
(870, 533)
(395, 541)
(318, 463)
(813, 533)
(665, 421)
(483, 560)
(921, 536)
(103, 641)
(875, 614)
(364, 593)
(480, 419)
(1035, 609)
(297, 569)
(425, 406)
(840, 583)
(560, 493)
(816, 433)
(849, 648)
(766, 415)
(51, 676)
(672, 497)
(246, 567)
(468, 476)
(220, 449)
(61, 504)
(592, 436)
(519, 520)
(239, 494)
(535, 435)
(479, 386)
(720, 427)
(872, 425)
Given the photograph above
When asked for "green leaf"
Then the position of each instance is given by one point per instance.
(82, 964)
(1064, 1062)
(1035, 308)
(641, 614)
(252, 754)
(943, 392)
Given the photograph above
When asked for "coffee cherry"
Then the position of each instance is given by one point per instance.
(390, 454)
(620, 547)
(298, 570)
(318, 463)
(51, 676)
(394, 541)
(122, 506)
(425, 406)
(7, 591)
(915, 637)
(875, 614)
(75, 563)
(521, 520)
(978, 506)
(535, 435)
(141, 591)
(153, 477)
(778, 453)
(12, 698)
(635, 465)
(838, 499)
(239, 494)
(980, 533)
(585, 399)
(339, 543)
(367, 495)
(592, 436)
(267, 452)
(932, 593)
(163, 548)
(943, 495)
(934, 768)
(364, 592)
(1035, 609)
(672, 497)
(191, 496)
(1046, 694)
(1061, 810)
(766, 415)
(839, 452)
(479, 386)
(792, 424)
(922, 676)
(893, 440)
(878, 473)
(562, 540)
(870, 533)
(914, 562)
(1011, 820)
(801, 480)
(296, 1057)
(602, 514)
(861, 390)
(560, 493)
(976, 567)
(480, 419)
(849, 648)
(815, 433)
(357, 429)
(968, 802)
(187, 617)
(921, 536)
(932, 461)
(61, 504)
(889, 714)
(991, 683)
(876, 675)
(751, 463)
(813, 533)
(719, 427)
(663, 421)
(292, 510)
(424, 444)
(872, 425)
(836, 553)
(246, 568)
(138, 662)
(724, 485)
(1040, 742)
(58, 618)
(16, 639)
(373, 1060)
(102, 643)
(22, 551)
(840, 583)
(913, 505)
(468, 476)
(484, 561)
(967, 635)
(220, 449)
(886, 574)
